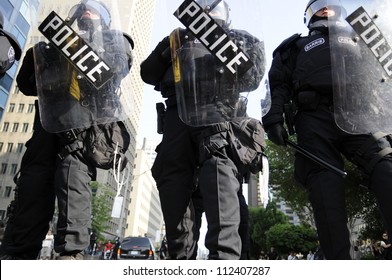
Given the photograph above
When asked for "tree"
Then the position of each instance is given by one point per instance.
(360, 201)
(100, 208)
(260, 221)
(287, 237)
(282, 181)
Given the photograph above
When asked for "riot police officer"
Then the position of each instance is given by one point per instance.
(54, 164)
(9, 48)
(301, 73)
(186, 152)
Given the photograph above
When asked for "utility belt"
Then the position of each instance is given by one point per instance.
(214, 129)
(71, 140)
(310, 100)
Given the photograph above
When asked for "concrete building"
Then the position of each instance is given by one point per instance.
(144, 215)
(16, 110)
(136, 18)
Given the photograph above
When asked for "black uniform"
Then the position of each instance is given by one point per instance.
(53, 165)
(302, 74)
(185, 150)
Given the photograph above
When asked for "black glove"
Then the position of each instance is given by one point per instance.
(277, 134)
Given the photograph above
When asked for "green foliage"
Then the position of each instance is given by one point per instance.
(360, 202)
(260, 220)
(287, 237)
(282, 181)
(100, 208)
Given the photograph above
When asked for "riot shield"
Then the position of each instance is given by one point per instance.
(361, 57)
(81, 65)
(218, 59)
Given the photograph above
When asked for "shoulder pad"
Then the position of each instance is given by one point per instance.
(287, 43)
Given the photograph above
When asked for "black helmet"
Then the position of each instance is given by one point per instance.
(96, 7)
(315, 5)
(11, 38)
(220, 12)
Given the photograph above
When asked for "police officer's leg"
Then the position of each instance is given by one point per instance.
(33, 207)
(219, 187)
(375, 159)
(317, 133)
(173, 171)
(73, 192)
(243, 229)
(197, 202)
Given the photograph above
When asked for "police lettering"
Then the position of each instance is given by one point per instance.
(213, 37)
(372, 36)
(84, 58)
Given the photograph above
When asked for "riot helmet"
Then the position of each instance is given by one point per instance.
(17, 51)
(218, 10)
(129, 45)
(316, 5)
(90, 15)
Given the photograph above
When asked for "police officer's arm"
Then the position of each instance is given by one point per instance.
(114, 52)
(280, 81)
(26, 76)
(281, 91)
(154, 67)
(254, 48)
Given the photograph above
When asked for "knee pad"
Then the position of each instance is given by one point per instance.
(378, 147)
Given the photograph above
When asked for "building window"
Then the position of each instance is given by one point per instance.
(6, 125)
(19, 148)
(1, 146)
(25, 127)
(9, 147)
(22, 24)
(7, 8)
(3, 169)
(21, 108)
(14, 169)
(8, 191)
(11, 108)
(6, 82)
(15, 127)
(31, 108)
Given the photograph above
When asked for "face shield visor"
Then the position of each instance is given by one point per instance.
(220, 13)
(77, 11)
(316, 5)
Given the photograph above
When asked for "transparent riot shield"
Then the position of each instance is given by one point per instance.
(218, 59)
(361, 53)
(82, 64)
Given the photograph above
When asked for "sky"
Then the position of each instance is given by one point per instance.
(277, 20)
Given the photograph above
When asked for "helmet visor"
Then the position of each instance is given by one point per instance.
(315, 6)
(219, 12)
(92, 6)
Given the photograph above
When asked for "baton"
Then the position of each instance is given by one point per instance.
(316, 159)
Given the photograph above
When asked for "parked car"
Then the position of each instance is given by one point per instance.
(136, 248)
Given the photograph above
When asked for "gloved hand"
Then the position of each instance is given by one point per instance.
(277, 134)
